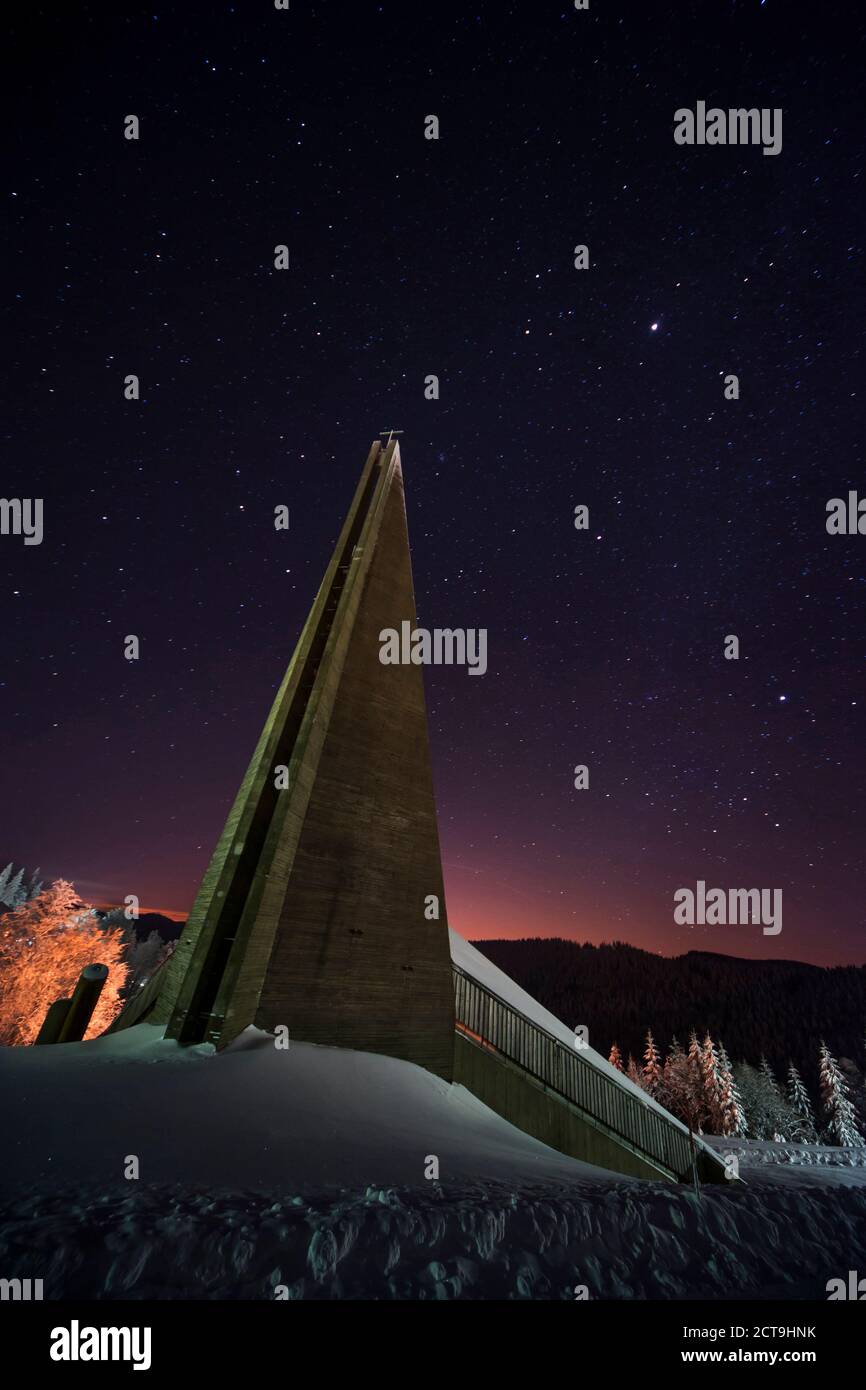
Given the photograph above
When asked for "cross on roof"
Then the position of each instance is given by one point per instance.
(390, 434)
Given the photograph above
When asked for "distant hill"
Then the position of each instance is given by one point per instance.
(168, 929)
(780, 1009)
(148, 922)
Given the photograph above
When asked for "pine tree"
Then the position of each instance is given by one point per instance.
(779, 1116)
(748, 1084)
(733, 1115)
(696, 1091)
(672, 1078)
(615, 1057)
(632, 1072)
(798, 1099)
(839, 1112)
(712, 1085)
(652, 1072)
(769, 1115)
(44, 945)
(12, 891)
(682, 1086)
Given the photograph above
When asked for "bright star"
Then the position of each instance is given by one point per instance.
(653, 327)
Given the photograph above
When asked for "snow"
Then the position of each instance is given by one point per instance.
(302, 1117)
(802, 1164)
(300, 1173)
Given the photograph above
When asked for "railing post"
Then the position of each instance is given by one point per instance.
(54, 1021)
(83, 1002)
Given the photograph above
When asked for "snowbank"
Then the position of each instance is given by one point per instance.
(303, 1118)
(306, 1173)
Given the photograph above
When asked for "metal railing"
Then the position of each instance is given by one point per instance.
(493, 1024)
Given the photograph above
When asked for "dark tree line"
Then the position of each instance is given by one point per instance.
(778, 1010)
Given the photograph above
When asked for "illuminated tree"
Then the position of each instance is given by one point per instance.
(44, 946)
(652, 1071)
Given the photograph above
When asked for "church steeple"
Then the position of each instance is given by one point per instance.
(312, 912)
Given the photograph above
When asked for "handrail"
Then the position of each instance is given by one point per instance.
(492, 1022)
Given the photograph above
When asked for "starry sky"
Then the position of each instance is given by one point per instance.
(558, 387)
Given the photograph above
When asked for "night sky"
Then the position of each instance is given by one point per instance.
(558, 387)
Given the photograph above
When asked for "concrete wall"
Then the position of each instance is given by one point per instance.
(525, 1103)
(312, 915)
(353, 960)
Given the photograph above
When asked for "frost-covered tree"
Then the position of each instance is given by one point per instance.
(857, 1088)
(615, 1057)
(712, 1083)
(143, 958)
(652, 1069)
(44, 946)
(769, 1115)
(13, 893)
(633, 1072)
(13, 889)
(143, 955)
(841, 1121)
(683, 1087)
(731, 1109)
(798, 1100)
(780, 1117)
(34, 887)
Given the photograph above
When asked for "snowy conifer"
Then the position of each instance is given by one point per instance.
(12, 894)
(682, 1086)
(780, 1119)
(712, 1085)
(769, 1115)
(798, 1099)
(652, 1071)
(615, 1057)
(838, 1110)
(733, 1115)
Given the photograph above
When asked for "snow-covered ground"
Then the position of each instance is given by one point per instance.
(303, 1171)
(297, 1119)
(797, 1163)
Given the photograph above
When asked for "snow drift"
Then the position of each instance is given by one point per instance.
(302, 1174)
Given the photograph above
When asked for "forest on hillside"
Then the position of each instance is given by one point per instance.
(780, 1010)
